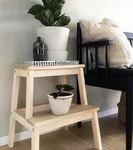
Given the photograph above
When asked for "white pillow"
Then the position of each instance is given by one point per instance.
(120, 54)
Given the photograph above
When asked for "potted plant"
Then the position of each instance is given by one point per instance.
(54, 34)
(61, 99)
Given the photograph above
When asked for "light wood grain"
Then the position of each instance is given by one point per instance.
(96, 131)
(49, 67)
(63, 80)
(35, 140)
(15, 91)
(57, 72)
(46, 117)
(22, 121)
(113, 137)
(43, 120)
(36, 109)
(82, 87)
(29, 95)
(111, 132)
(14, 103)
(21, 72)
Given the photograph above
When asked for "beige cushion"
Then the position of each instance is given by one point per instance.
(120, 54)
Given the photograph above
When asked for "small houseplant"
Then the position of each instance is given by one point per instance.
(61, 99)
(53, 32)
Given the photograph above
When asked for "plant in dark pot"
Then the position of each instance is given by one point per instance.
(54, 34)
(60, 100)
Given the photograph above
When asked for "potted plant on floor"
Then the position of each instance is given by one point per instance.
(54, 34)
(61, 99)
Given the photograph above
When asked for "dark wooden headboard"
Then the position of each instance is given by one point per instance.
(95, 44)
(129, 35)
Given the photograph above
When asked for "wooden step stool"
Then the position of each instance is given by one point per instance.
(39, 119)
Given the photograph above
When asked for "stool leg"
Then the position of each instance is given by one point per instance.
(11, 132)
(82, 88)
(13, 108)
(81, 91)
(35, 140)
(63, 80)
(29, 95)
(96, 131)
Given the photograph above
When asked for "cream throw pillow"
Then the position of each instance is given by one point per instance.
(120, 54)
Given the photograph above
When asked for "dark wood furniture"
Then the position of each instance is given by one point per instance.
(110, 78)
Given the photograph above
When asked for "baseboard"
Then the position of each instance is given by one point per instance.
(18, 137)
(27, 134)
(107, 112)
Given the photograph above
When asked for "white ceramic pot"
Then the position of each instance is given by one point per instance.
(60, 105)
(56, 38)
(57, 55)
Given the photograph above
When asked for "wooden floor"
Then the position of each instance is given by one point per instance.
(113, 137)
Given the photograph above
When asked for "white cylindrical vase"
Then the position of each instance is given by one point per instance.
(56, 38)
(57, 55)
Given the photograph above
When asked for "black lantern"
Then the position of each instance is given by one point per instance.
(39, 50)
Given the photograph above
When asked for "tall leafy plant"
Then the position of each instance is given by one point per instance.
(49, 14)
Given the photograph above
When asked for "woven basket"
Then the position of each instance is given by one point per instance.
(60, 105)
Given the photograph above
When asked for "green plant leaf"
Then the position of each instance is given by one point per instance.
(50, 13)
(59, 86)
(45, 2)
(53, 6)
(67, 87)
(45, 17)
(63, 21)
(55, 95)
(35, 9)
(57, 13)
(61, 1)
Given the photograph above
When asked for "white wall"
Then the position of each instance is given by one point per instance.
(17, 33)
